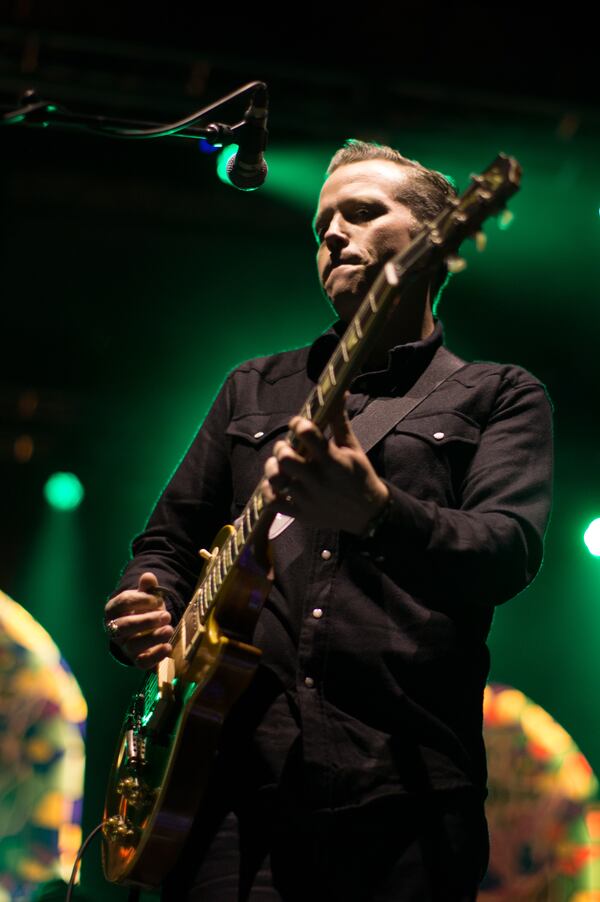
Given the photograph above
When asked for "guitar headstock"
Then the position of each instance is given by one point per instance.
(463, 217)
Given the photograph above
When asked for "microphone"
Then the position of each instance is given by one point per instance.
(247, 169)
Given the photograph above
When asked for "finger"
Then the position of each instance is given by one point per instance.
(311, 439)
(343, 434)
(274, 480)
(140, 644)
(283, 450)
(132, 601)
(139, 625)
(268, 493)
(147, 582)
(152, 656)
(271, 467)
(281, 473)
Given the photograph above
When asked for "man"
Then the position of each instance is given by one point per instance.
(354, 765)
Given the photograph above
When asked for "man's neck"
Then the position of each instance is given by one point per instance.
(406, 324)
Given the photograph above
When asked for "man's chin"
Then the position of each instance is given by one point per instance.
(346, 300)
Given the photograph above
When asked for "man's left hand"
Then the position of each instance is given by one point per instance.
(326, 482)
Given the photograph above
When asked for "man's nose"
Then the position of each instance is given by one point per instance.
(336, 234)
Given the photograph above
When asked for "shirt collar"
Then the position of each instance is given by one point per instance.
(405, 361)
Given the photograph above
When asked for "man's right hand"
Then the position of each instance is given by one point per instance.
(140, 623)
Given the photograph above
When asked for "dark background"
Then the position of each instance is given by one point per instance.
(133, 280)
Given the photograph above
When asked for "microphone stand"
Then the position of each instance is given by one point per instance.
(43, 113)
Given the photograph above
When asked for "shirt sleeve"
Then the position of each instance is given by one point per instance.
(189, 512)
(490, 548)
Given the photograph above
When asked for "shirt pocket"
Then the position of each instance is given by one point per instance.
(429, 455)
(251, 438)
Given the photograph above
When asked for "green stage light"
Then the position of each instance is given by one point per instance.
(64, 491)
(591, 537)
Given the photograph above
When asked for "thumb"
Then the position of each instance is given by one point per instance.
(147, 582)
(341, 429)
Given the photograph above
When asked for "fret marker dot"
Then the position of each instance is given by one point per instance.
(438, 435)
(258, 434)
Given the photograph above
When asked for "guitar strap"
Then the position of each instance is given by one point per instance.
(383, 414)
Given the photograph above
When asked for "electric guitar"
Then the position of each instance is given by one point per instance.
(170, 735)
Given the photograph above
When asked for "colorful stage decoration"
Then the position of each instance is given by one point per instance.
(544, 823)
(42, 757)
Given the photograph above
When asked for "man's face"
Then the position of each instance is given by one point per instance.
(360, 225)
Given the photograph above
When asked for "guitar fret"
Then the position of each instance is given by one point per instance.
(320, 395)
(358, 326)
(352, 339)
(364, 317)
(372, 301)
(344, 350)
(332, 374)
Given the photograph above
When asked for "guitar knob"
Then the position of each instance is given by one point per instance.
(118, 828)
(132, 790)
(455, 264)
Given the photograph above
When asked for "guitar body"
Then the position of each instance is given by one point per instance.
(169, 739)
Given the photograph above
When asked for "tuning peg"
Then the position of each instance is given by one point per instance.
(505, 219)
(455, 264)
(480, 241)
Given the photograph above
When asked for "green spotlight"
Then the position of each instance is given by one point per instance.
(64, 491)
(224, 157)
(591, 537)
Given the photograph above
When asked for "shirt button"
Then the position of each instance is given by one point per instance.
(317, 613)
(326, 554)
(309, 682)
(438, 435)
(258, 434)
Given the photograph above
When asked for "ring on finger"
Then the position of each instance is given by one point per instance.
(111, 628)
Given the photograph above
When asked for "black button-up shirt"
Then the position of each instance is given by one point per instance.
(374, 657)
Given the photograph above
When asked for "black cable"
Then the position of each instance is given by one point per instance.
(80, 854)
(21, 114)
(182, 123)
